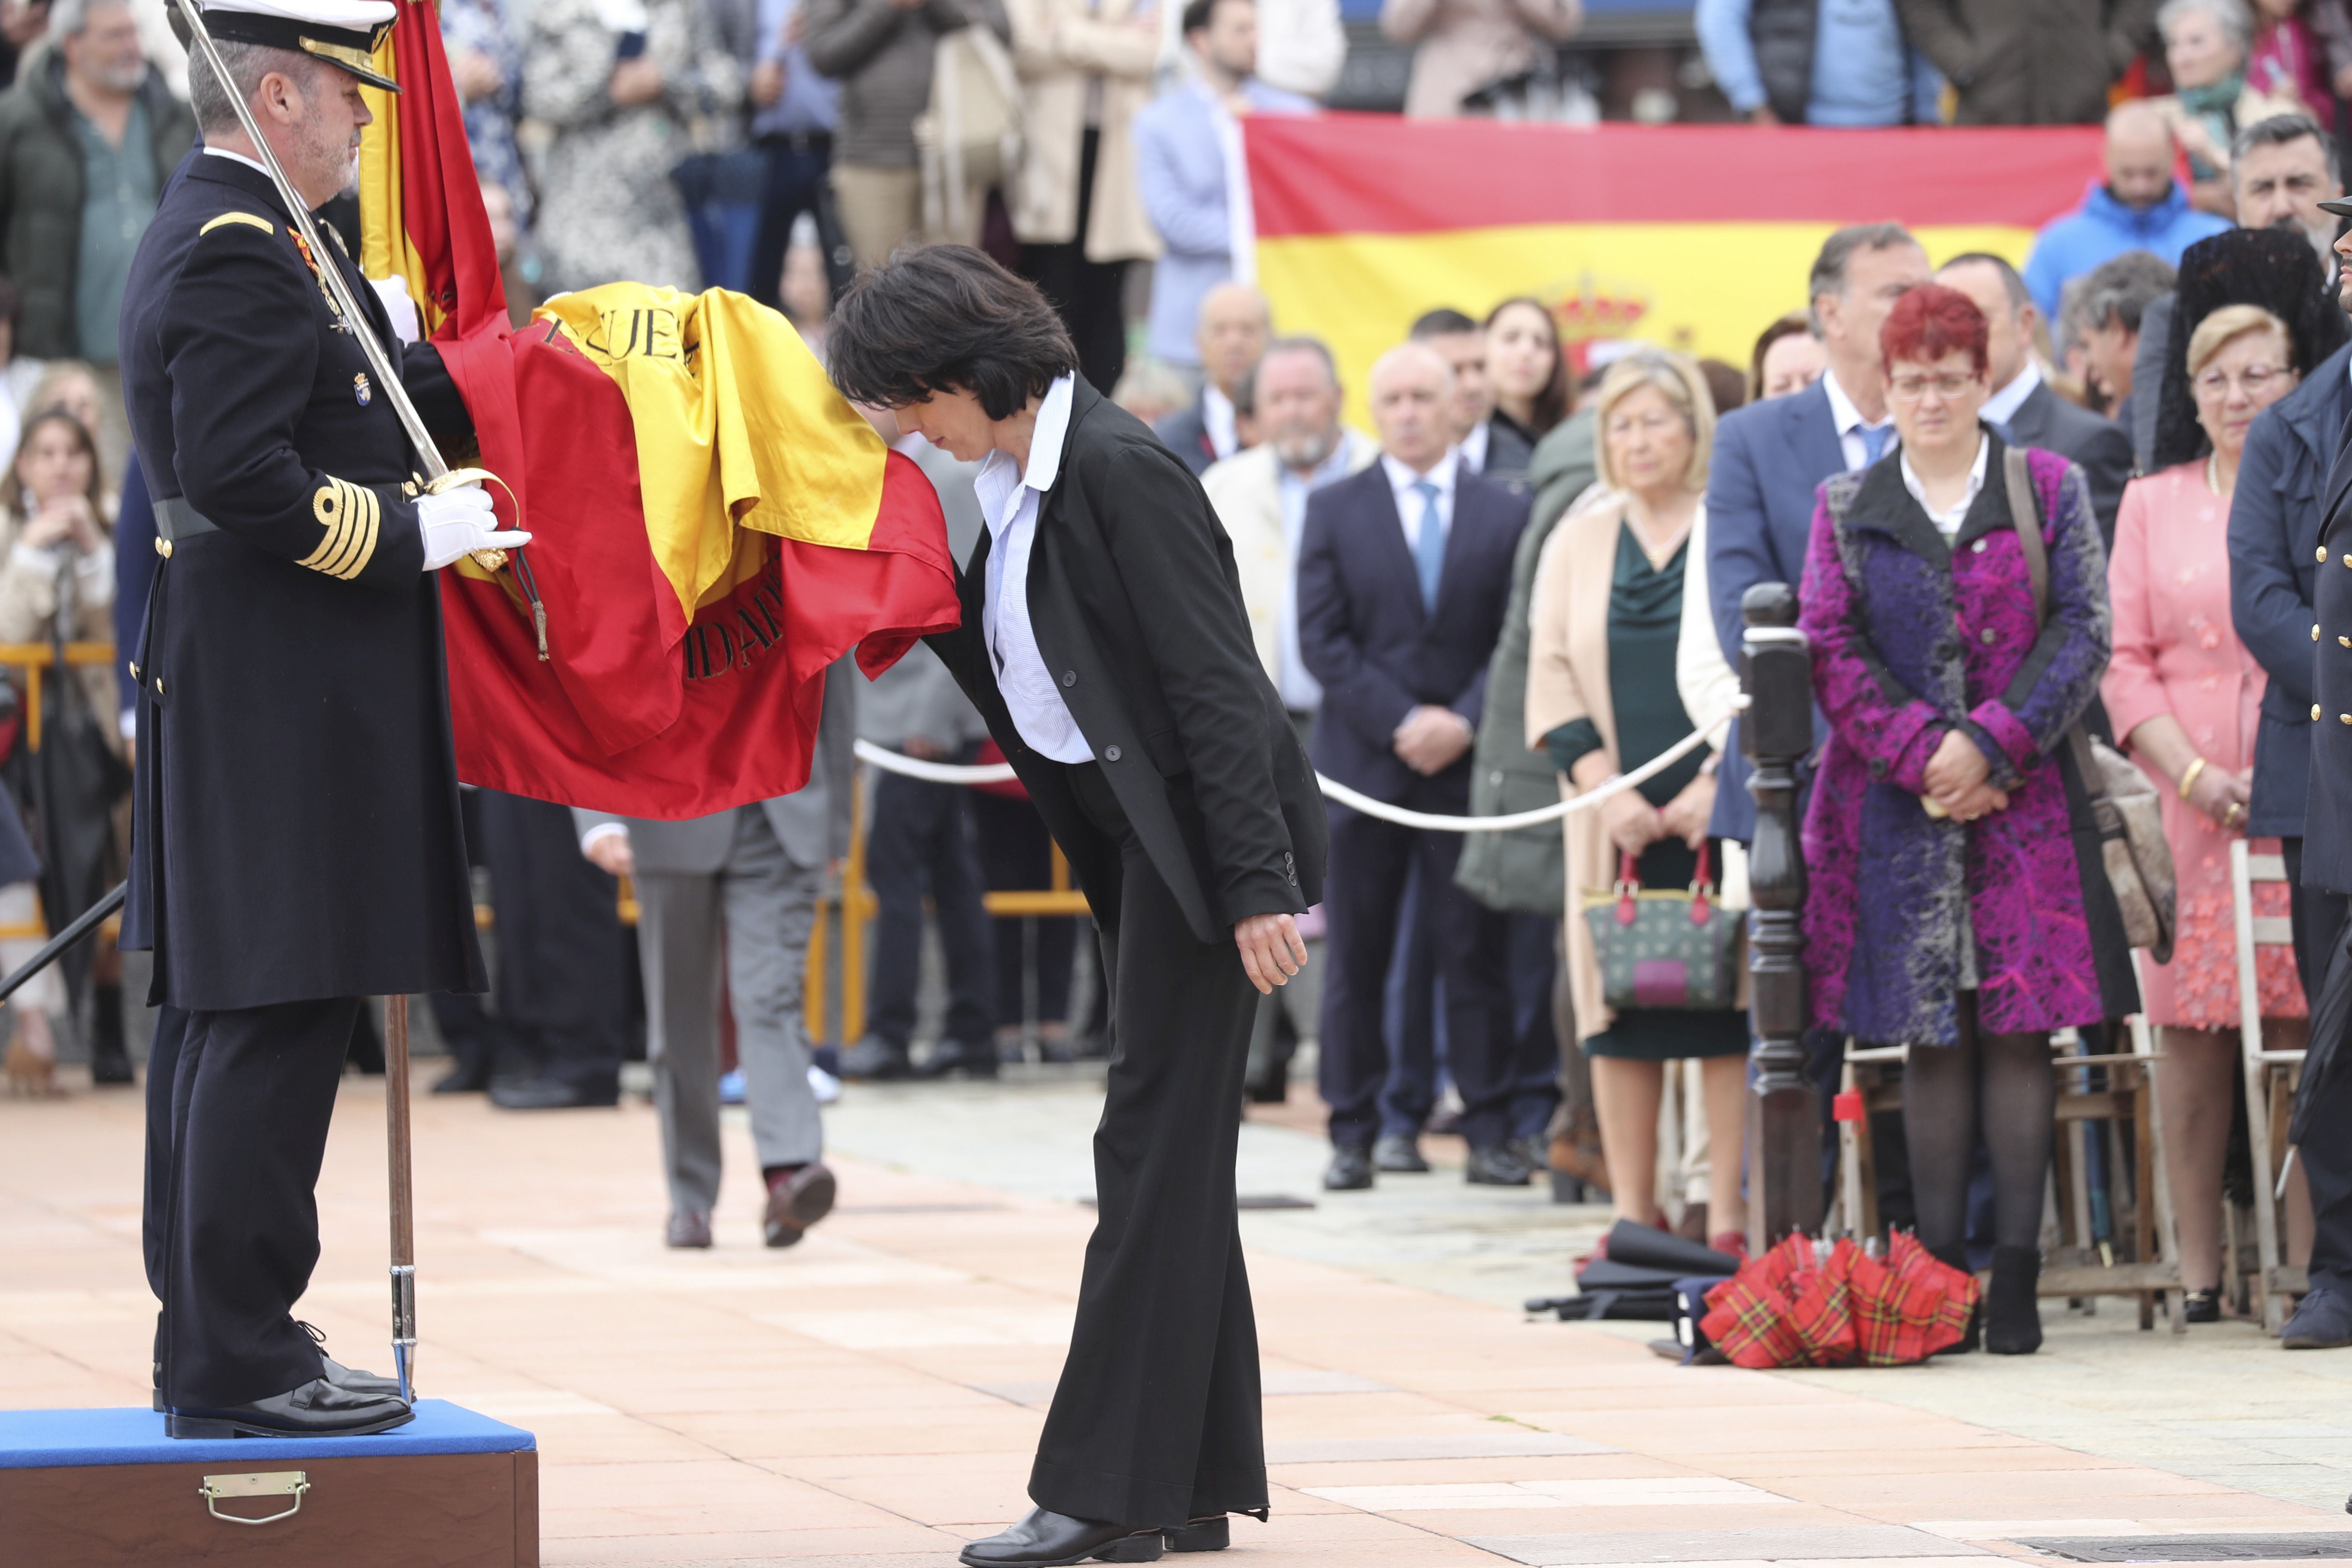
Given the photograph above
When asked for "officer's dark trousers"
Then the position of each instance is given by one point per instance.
(921, 841)
(2319, 938)
(232, 1221)
(1155, 1419)
(1361, 900)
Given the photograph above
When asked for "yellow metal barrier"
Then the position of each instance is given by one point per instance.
(37, 655)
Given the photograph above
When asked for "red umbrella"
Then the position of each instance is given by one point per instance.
(1809, 1303)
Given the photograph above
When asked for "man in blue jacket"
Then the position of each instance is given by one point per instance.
(2138, 206)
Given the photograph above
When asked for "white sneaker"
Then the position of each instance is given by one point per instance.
(824, 1085)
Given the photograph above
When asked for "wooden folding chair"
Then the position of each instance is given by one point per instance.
(2270, 1080)
(2081, 1267)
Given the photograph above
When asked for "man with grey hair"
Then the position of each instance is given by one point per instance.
(2281, 168)
(2115, 300)
(292, 686)
(85, 144)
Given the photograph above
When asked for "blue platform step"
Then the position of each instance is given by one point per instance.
(94, 1488)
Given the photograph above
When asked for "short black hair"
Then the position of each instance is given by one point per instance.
(1442, 322)
(946, 318)
(2012, 282)
(1828, 276)
(1199, 15)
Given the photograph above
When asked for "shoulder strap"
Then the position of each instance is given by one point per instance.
(2028, 523)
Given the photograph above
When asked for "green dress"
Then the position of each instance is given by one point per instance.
(1645, 617)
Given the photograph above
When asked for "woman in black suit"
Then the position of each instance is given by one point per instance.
(1126, 692)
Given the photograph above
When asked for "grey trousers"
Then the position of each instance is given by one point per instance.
(766, 906)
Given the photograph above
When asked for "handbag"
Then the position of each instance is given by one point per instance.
(1665, 947)
(968, 136)
(2123, 804)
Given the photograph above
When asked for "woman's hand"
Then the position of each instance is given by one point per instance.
(1957, 766)
(1272, 950)
(1974, 801)
(62, 517)
(634, 82)
(2217, 791)
(1686, 816)
(1632, 823)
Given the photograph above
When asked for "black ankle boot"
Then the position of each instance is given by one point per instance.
(2012, 1316)
(109, 1058)
(1957, 1259)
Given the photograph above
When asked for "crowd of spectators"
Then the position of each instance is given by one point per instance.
(1524, 580)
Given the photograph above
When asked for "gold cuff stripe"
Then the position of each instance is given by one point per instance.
(263, 223)
(351, 514)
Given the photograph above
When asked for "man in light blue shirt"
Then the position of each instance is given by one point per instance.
(1817, 62)
(792, 116)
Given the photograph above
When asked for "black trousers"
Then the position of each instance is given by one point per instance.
(236, 1130)
(1155, 1419)
(921, 841)
(2319, 936)
(563, 956)
(1089, 296)
(796, 183)
(1363, 892)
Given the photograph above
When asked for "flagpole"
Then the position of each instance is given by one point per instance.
(438, 475)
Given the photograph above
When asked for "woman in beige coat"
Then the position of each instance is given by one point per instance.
(1085, 70)
(1461, 45)
(1602, 699)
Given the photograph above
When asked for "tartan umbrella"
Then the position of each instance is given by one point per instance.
(1809, 1303)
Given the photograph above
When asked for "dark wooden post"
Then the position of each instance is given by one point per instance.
(1784, 1119)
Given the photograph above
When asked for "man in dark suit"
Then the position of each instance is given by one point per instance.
(1403, 572)
(307, 854)
(1770, 456)
(2320, 865)
(1234, 327)
(2021, 404)
(1104, 642)
(737, 888)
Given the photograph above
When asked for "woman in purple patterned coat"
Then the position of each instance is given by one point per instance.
(1957, 904)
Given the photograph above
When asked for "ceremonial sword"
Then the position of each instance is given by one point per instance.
(439, 477)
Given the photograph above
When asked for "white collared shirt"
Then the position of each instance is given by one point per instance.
(1009, 498)
(1217, 416)
(1850, 424)
(2002, 406)
(1473, 447)
(1947, 521)
(255, 164)
(1401, 480)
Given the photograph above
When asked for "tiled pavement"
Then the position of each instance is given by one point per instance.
(871, 1397)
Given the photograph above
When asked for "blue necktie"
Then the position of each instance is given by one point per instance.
(1429, 548)
(1873, 443)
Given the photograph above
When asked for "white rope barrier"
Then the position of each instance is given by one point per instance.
(997, 772)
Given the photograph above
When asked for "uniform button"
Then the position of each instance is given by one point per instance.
(2343, 642)
(159, 686)
(2347, 560)
(163, 545)
(1988, 636)
(1110, 753)
(134, 670)
(1978, 547)
(1069, 678)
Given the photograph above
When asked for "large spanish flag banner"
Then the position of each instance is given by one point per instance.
(1693, 236)
(711, 525)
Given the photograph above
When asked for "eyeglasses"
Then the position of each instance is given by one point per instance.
(1912, 388)
(2253, 380)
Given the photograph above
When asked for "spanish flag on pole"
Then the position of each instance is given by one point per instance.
(1696, 237)
(712, 525)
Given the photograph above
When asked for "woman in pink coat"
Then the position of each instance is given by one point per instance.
(2182, 694)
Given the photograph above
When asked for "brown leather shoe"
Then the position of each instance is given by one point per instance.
(796, 1201)
(688, 1229)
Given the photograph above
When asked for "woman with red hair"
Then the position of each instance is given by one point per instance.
(1949, 791)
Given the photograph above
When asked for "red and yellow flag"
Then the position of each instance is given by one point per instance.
(711, 525)
(1693, 236)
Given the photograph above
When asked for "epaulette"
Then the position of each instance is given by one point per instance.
(263, 223)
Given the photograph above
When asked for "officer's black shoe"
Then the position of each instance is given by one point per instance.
(1202, 1535)
(951, 1056)
(1045, 1540)
(1400, 1153)
(1495, 1165)
(548, 1094)
(350, 1377)
(1351, 1169)
(875, 1060)
(2323, 1322)
(316, 1409)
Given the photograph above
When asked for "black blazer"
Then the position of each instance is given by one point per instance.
(1138, 610)
(2327, 813)
(2099, 447)
(1364, 633)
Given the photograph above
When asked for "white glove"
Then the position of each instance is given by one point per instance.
(457, 523)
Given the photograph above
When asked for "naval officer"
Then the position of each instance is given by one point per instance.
(297, 845)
